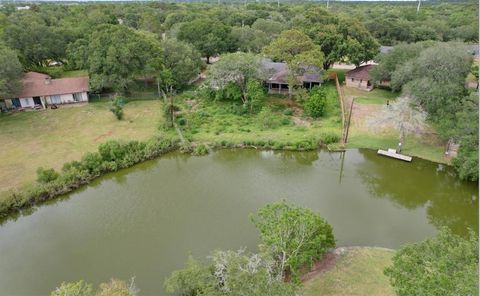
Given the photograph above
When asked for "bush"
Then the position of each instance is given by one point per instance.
(200, 150)
(112, 156)
(316, 102)
(267, 119)
(329, 138)
(46, 175)
(444, 265)
(292, 236)
(228, 273)
(117, 107)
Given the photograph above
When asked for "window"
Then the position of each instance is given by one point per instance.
(77, 97)
(353, 79)
(55, 99)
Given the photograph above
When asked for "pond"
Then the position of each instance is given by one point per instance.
(145, 221)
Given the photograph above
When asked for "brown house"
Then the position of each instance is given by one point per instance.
(40, 90)
(359, 78)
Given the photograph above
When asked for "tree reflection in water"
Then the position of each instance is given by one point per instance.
(449, 201)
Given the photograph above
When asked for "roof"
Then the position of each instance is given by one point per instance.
(360, 72)
(38, 84)
(278, 73)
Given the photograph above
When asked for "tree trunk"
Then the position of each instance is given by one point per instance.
(208, 60)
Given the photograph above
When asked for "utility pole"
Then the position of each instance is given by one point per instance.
(418, 7)
(328, 2)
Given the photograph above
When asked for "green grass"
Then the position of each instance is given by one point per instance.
(214, 121)
(376, 96)
(74, 73)
(49, 138)
(413, 146)
(359, 271)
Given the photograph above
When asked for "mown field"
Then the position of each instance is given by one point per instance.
(363, 134)
(357, 272)
(49, 138)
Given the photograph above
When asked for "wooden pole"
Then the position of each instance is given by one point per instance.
(349, 119)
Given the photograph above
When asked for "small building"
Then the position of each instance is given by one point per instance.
(40, 90)
(277, 81)
(359, 78)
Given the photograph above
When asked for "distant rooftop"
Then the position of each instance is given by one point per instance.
(278, 72)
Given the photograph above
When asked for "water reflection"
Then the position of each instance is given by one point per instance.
(449, 201)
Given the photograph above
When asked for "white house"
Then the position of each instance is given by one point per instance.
(40, 90)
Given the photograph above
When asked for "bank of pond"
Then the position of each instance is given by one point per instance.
(145, 220)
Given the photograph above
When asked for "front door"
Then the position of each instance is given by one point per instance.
(37, 101)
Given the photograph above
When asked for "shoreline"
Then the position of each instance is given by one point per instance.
(9, 211)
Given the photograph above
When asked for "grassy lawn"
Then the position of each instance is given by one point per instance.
(49, 138)
(359, 271)
(362, 135)
(214, 121)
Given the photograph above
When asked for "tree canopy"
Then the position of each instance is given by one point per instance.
(444, 265)
(10, 73)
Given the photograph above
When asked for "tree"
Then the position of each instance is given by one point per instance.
(444, 265)
(10, 73)
(292, 236)
(35, 42)
(316, 102)
(340, 38)
(389, 62)
(116, 55)
(182, 62)
(466, 132)
(406, 116)
(210, 37)
(228, 273)
(299, 52)
(237, 68)
(249, 39)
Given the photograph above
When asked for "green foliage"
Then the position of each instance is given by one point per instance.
(209, 36)
(466, 131)
(228, 273)
(46, 175)
(117, 108)
(200, 150)
(444, 265)
(267, 119)
(316, 103)
(181, 60)
(292, 236)
(112, 156)
(288, 111)
(79, 288)
(10, 73)
(256, 95)
(237, 69)
(114, 287)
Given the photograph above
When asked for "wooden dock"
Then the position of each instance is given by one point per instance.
(393, 153)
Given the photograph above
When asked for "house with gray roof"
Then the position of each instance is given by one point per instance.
(277, 74)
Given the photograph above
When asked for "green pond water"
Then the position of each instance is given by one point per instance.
(144, 221)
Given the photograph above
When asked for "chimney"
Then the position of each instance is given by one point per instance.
(48, 80)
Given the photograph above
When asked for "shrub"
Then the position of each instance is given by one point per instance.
(46, 175)
(292, 236)
(200, 150)
(256, 95)
(444, 265)
(182, 121)
(328, 138)
(267, 119)
(111, 150)
(316, 102)
(117, 107)
(228, 273)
